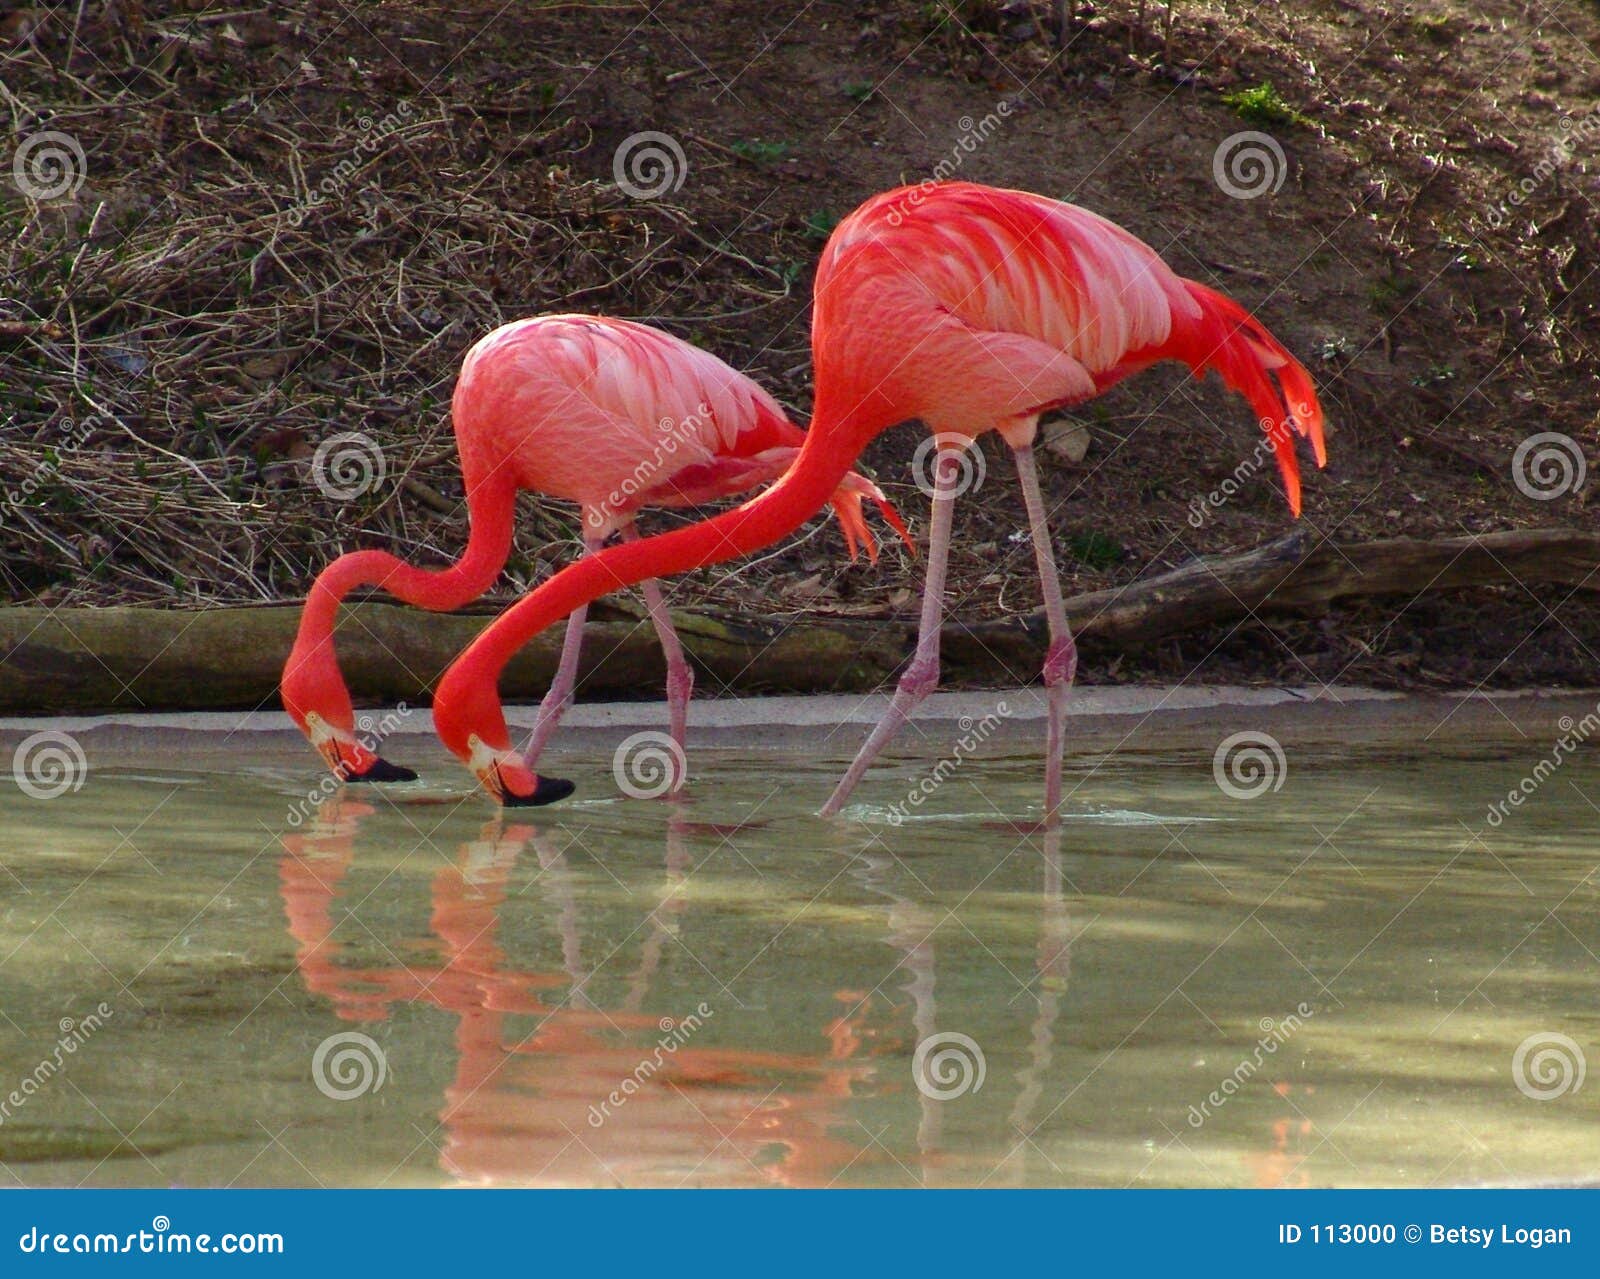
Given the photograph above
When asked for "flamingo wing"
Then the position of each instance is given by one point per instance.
(602, 411)
(661, 382)
(977, 308)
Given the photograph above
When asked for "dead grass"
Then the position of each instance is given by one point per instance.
(203, 320)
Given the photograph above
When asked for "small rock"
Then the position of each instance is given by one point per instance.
(263, 368)
(1066, 438)
(809, 588)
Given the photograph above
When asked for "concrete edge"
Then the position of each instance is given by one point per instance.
(1136, 718)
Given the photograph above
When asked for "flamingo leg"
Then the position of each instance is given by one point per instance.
(922, 676)
(1061, 659)
(559, 697)
(680, 675)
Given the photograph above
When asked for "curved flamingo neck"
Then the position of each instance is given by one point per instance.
(311, 676)
(488, 545)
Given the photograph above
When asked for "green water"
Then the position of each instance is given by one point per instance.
(761, 979)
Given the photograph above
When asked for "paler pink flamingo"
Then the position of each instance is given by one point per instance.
(969, 308)
(609, 414)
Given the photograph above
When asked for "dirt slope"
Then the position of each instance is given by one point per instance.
(293, 219)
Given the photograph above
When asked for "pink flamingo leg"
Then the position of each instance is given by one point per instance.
(559, 698)
(680, 675)
(1061, 659)
(922, 676)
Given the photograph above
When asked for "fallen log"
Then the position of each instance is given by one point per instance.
(1302, 573)
(92, 659)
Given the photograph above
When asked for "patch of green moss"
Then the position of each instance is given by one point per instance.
(1263, 105)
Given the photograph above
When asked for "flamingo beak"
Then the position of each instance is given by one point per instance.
(348, 759)
(328, 748)
(512, 782)
(381, 770)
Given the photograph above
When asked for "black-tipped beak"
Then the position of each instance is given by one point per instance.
(383, 771)
(548, 791)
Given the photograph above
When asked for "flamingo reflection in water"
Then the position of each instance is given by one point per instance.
(538, 1095)
(538, 1074)
(911, 929)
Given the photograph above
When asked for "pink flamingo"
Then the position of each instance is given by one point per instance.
(611, 415)
(972, 309)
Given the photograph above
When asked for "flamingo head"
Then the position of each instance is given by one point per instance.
(319, 704)
(846, 503)
(469, 721)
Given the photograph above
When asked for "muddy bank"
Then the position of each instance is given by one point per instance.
(130, 658)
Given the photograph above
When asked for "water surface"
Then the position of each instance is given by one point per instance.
(1324, 985)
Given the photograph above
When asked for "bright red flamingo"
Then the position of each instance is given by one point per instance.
(971, 309)
(611, 415)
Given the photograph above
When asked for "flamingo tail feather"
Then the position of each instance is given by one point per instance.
(1228, 339)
